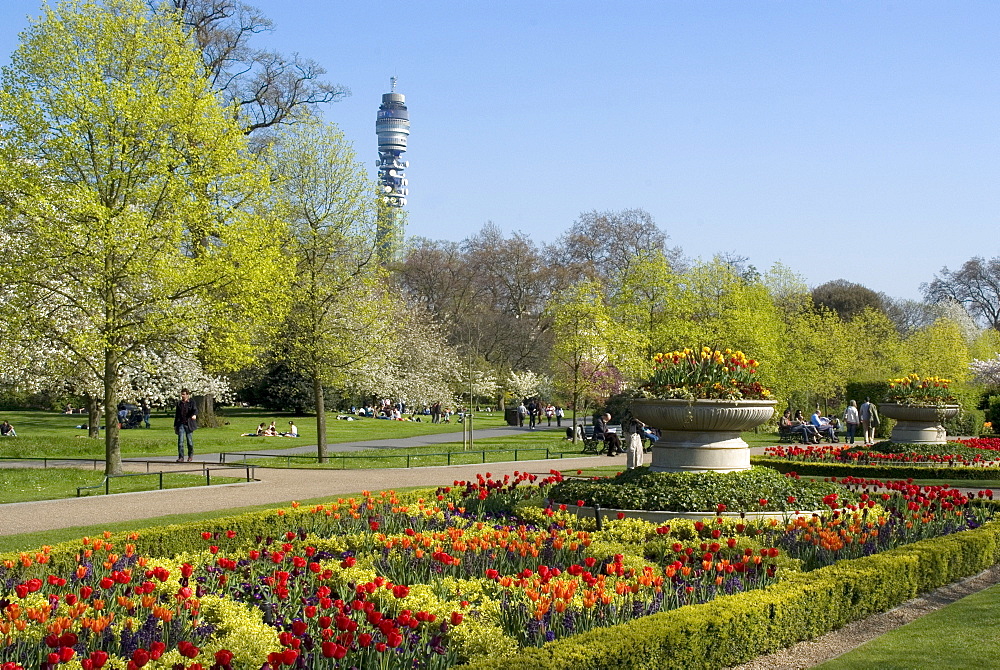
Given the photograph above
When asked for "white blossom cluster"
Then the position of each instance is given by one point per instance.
(986, 372)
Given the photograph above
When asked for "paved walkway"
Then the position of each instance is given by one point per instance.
(274, 486)
(278, 446)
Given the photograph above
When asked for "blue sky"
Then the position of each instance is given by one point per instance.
(854, 140)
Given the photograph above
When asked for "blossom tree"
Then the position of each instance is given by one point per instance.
(986, 372)
(526, 384)
(415, 364)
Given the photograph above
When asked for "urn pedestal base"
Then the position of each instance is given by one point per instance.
(700, 450)
(918, 424)
(701, 435)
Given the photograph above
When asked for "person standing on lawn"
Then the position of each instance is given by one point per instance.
(185, 423)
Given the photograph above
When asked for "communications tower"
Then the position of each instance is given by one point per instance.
(392, 127)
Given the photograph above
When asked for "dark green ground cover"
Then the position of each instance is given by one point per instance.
(756, 489)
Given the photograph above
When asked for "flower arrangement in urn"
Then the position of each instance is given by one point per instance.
(704, 374)
(912, 390)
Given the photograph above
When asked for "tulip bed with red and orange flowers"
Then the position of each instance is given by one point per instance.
(473, 570)
(973, 452)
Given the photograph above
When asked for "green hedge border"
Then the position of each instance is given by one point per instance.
(736, 629)
(875, 471)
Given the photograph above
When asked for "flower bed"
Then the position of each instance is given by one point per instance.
(703, 374)
(465, 572)
(970, 452)
(912, 390)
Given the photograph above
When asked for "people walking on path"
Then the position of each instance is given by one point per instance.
(852, 419)
(185, 423)
(869, 420)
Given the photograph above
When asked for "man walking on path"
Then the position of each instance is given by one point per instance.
(185, 423)
(869, 420)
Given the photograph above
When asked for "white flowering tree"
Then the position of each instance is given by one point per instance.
(475, 382)
(416, 365)
(526, 384)
(986, 372)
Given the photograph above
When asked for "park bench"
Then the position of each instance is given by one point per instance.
(590, 445)
(785, 434)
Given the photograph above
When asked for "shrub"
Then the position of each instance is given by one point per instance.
(695, 492)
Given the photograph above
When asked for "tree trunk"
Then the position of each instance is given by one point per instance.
(575, 398)
(93, 417)
(112, 448)
(205, 406)
(320, 420)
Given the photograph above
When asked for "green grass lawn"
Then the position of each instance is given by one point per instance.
(53, 434)
(528, 446)
(27, 484)
(965, 634)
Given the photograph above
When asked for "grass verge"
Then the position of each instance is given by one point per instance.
(32, 484)
(964, 634)
(528, 446)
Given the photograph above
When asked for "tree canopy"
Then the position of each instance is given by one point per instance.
(117, 161)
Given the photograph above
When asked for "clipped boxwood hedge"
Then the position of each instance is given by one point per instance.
(735, 629)
(876, 471)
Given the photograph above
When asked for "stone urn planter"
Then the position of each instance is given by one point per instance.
(918, 424)
(701, 435)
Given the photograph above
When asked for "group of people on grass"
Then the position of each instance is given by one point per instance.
(825, 427)
(263, 430)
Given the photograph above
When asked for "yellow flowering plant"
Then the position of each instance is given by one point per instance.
(706, 373)
(914, 390)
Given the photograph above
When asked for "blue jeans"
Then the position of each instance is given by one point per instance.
(182, 433)
(852, 428)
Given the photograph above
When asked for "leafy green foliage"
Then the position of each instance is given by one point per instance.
(131, 215)
(697, 492)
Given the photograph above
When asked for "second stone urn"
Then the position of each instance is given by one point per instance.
(918, 424)
(701, 435)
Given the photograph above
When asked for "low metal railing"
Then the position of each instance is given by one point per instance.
(106, 482)
(408, 459)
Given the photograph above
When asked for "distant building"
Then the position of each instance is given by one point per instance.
(392, 127)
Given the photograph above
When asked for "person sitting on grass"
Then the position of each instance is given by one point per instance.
(293, 431)
(7, 430)
(260, 432)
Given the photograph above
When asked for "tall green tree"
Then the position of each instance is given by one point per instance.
(116, 158)
(335, 320)
(586, 344)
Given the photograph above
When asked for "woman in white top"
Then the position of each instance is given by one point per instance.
(633, 450)
(852, 419)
